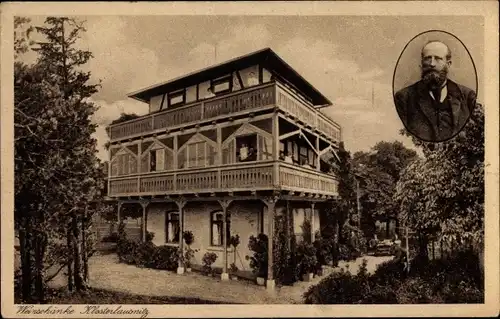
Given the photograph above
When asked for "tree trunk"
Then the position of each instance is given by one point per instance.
(26, 262)
(77, 253)
(40, 246)
(70, 258)
(84, 249)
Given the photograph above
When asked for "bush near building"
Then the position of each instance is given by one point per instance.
(458, 279)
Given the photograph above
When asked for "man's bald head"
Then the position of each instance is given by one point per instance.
(436, 46)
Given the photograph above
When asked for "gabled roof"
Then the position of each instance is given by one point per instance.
(266, 57)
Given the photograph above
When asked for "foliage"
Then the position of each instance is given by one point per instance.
(259, 260)
(145, 254)
(233, 268)
(379, 171)
(306, 258)
(58, 178)
(234, 241)
(323, 250)
(443, 194)
(188, 237)
(125, 117)
(457, 280)
(208, 259)
(111, 238)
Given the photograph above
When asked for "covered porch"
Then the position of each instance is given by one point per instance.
(213, 219)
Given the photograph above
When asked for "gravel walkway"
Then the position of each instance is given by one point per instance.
(107, 273)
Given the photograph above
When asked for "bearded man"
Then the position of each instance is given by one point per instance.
(435, 108)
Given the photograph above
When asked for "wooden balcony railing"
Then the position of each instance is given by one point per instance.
(289, 103)
(305, 180)
(240, 102)
(243, 176)
(210, 109)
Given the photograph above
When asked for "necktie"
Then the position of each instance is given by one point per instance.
(437, 95)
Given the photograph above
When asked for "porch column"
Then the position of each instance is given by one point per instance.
(224, 204)
(119, 211)
(181, 203)
(271, 212)
(318, 156)
(144, 205)
(312, 222)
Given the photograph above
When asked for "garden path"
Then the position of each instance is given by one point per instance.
(107, 273)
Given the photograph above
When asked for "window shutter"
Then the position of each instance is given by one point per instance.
(169, 159)
(228, 153)
(181, 158)
(132, 164)
(114, 167)
(145, 163)
(160, 159)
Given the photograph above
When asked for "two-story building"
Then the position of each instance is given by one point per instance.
(228, 148)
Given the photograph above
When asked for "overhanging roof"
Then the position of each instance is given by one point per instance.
(266, 57)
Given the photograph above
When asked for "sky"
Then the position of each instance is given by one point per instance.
(350, 59)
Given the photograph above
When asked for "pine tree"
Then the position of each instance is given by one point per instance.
(58, 175)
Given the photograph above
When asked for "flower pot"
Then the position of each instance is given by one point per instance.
(308, 276)
(234, 277)
(261, 281)
(189, 270)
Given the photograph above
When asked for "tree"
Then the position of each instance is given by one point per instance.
(57, 173)
(380, 171)
(443, 194)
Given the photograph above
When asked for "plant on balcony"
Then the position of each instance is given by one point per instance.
(208, 259)
(259, 260)
(307, 261)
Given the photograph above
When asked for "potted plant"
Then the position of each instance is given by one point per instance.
(307, 260)
(233, 270)
(258, 262)
(208, 259)
(189, 254)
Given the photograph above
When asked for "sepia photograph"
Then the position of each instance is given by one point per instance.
(153, 157)
(436, 108)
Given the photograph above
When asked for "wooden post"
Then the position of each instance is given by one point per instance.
(271, 212)
(313, 235)
(119, 212)
(224, 204)
(358, 203)
(318, 157)
(144, 227)
(181, 203)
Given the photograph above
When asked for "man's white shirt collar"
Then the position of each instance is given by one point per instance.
(444, 92)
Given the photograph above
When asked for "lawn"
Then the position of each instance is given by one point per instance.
(103, 296)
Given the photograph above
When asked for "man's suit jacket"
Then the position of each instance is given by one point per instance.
(416, 111)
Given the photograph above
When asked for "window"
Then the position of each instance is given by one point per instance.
(216, 226)
(246, 148)
(222, 85)
(303, 155)
(173, 230)
(196, 154)
(124, 164)
(176, 98)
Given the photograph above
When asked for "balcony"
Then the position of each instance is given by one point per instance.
(256, 99)
(267, 175)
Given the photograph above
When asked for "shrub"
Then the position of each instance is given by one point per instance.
(258, 262)
(208, 259)
(188, 237)
(233, 268)
(146, 254)
(111, 238)
(456, 280)
(306, 258)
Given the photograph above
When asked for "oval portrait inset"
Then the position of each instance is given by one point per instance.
(434, 86)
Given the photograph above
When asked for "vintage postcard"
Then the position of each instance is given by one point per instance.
(250, 159)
